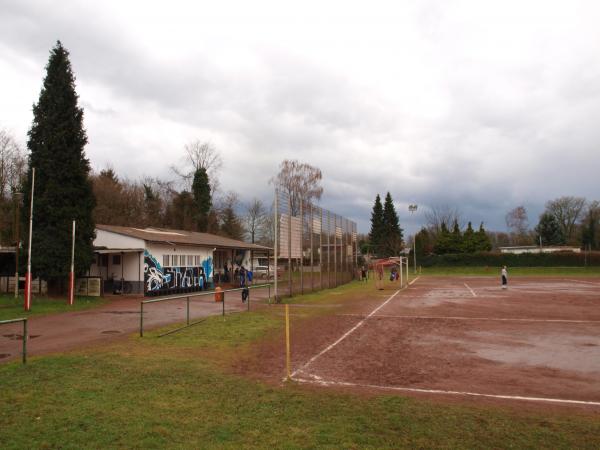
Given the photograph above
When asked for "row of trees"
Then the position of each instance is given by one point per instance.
(452, 241)
(151, 202)
(566, 220)
(66, 189)
(385, 237)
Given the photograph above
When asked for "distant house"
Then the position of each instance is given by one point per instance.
(159, 261)
(537, 249)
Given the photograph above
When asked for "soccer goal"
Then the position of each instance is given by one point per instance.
(391, 273)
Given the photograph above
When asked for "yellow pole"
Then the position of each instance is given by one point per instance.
(287, 342)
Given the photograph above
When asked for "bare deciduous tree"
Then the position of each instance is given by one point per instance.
(300, 181)
(199, 155)
(516, 220)
(438, 214)
(255, 216)
(567, 211)
(12, 164)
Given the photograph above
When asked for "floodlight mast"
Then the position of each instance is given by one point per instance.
(27, 302)
(412, 209)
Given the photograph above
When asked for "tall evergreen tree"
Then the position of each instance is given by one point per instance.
(423, 241)
(391, 231)
(443, 242)
(549, 230)
(483, 240)
(63, 189)
(469, 241)
(202, 198)
(456, 239)
(375, 234)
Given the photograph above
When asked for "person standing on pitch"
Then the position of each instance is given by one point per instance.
(504, 278)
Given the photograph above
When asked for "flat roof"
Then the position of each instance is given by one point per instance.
(181, 237)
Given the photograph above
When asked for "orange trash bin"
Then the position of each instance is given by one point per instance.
(219, 294)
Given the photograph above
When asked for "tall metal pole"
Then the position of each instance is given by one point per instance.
(328, 249)
(335, 277)
(415, 251)
(321, 252)
(72, 273)
(289, 246)
(312, 248)
(17, 243)
(275, 243)
(301, 246)
(28, 275)
(412, 209)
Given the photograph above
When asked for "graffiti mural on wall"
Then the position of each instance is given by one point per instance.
(159, 278)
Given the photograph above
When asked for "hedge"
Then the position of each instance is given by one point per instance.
(495, 259)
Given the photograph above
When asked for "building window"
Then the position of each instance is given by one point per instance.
(174, 260)
(116, 260)
(103, 260)
(190, 260)
(166, 261)
(197, 260)
(182, 260)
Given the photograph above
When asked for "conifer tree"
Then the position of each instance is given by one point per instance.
(443, 240)
(456, 241)
(549, 230)
(375, 235)
(469, 241)
(63, 189)
(423, 243)
(391, 231)
(202, 198)
(483, 240)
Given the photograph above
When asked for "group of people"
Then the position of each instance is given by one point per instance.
(394, 274)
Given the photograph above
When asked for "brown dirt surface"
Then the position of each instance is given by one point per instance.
(538, 338)
(111, 321)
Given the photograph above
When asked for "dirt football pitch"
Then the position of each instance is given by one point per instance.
(459, 337)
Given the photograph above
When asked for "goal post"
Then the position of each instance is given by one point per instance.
(398, 266)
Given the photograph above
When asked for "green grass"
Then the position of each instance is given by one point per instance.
(518, 271)
(11, 308)
(180, 392)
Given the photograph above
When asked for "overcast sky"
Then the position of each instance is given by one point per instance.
(483, 105)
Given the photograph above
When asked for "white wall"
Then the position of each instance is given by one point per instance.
(112, 240)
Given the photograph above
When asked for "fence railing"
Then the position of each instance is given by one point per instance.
(198, 294)
(24, 337)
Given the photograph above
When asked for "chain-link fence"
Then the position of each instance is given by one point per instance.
(314, 248)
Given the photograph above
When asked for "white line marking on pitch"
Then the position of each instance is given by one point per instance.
(472, 291)
(344, 336)
(411, 282)
(585, 282)
(439, 391)
(508, 319)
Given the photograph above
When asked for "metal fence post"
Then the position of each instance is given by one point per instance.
(301, 239)
(312, 250)
(248, 299)
(335, 277)
(187, 299)
(269, 286)
(275, 245)
(25, 337)
(223, 304)
(142, 318)
(290, 289)
(321, 252)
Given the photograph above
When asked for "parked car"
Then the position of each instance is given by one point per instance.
(263, 272)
